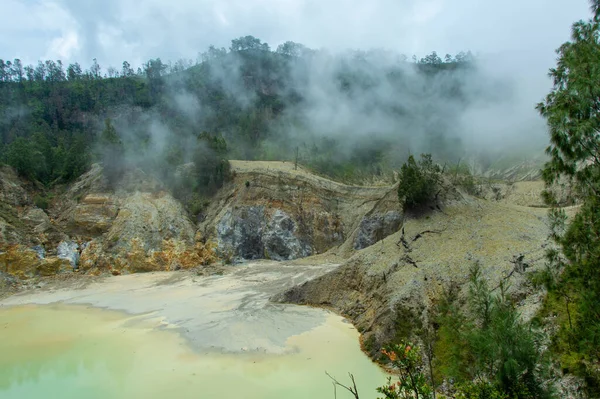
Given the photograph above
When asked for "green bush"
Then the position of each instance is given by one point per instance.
(41, 201)
(490, 344)
(479, 390)
(197, 204)
(419, 182)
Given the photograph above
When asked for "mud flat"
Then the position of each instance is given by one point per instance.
(159, 334)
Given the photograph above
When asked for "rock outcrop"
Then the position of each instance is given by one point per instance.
(94, 214)
(69, 250)
(142, 225)
(272, 210)
(256, 233)
(25, 263)
(376, 227)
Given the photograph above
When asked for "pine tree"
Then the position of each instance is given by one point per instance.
(572, 110)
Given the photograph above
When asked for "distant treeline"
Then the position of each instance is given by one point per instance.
(246, 98)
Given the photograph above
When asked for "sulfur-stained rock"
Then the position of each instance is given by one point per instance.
(19, 261)
(151, 218)
(94, 214)
(38, 219)
(53, 266)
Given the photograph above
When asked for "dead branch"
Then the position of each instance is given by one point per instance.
(420, 235)
(353, 390)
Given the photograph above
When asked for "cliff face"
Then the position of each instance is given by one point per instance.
(394, 263)
(273, 210)
(89, 228)
(270, 210)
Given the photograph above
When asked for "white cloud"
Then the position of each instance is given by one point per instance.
(117, 30)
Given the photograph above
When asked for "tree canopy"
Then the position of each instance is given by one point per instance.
(572, 110)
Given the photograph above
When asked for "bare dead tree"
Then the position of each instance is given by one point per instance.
(352, 389)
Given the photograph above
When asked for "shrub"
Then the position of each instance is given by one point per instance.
(412, 383)
(41, 202)
(419, 182)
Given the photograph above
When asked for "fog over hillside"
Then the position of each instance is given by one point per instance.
(356, 87)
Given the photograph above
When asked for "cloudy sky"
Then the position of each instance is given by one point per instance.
(137, 30)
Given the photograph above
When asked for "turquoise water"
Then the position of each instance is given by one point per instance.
(79, 352)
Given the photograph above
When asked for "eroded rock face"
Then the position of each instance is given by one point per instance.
(8, 282)
(11, 190)
(254, 233)
(38, 219)
(95, 214)
(240, 232)
(150, 218)
(69, 251)
(12, 197)
(376, 227)
(281, 238)
(150, 232)
(24, 263)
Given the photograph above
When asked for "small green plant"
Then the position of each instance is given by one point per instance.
(479, 390)
(41, 201)
(197, 204)
(412, 382)
(419, 182)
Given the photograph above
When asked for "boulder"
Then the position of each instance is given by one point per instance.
(52, 266)
(38, 219)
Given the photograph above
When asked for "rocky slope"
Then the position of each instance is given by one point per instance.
(276, 211)
(268, 210)
(383, 287)
(89, 228)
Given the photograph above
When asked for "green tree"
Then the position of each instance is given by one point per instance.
(419, 182)
(248, 43)
(211, 168)
(27, 160)
(572, 111)
(412, 383)
(504, 350)
(486, 349)
(76, 158)
(112, 153)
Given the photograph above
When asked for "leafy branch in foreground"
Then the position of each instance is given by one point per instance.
(412, 383)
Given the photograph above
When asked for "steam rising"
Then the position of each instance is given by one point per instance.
(336, 103)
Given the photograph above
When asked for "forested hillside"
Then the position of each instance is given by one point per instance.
(247, 102)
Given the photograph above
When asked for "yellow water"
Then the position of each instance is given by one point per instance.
(64, 352)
